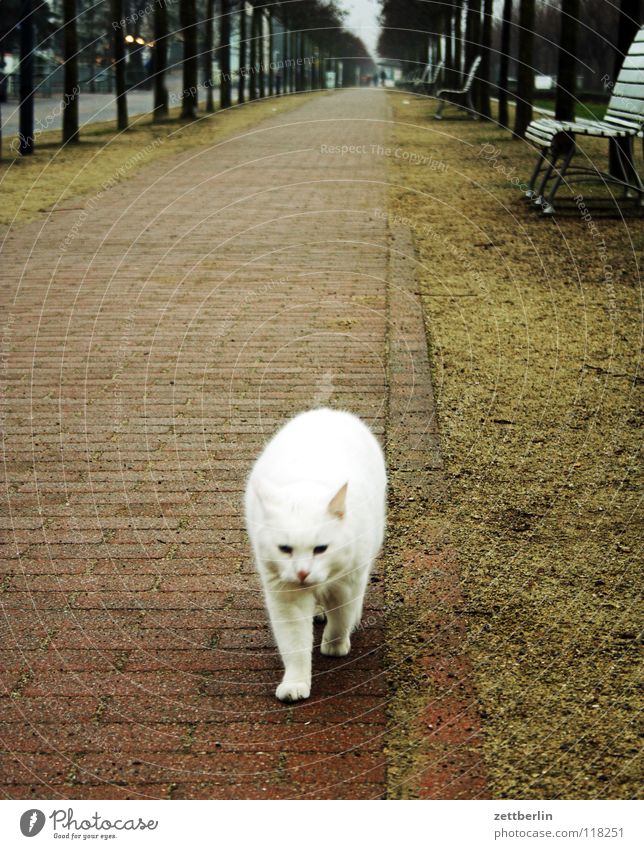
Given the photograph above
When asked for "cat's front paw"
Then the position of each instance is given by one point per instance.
(336, 648)
(293, 691)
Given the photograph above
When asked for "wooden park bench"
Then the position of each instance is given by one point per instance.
(460, 97)
(622, 123)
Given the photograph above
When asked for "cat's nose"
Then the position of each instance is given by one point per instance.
(302, 574)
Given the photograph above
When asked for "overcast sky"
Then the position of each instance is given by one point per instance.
(363, 20)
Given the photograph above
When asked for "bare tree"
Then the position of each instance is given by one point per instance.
(525, 76)
(261, 50)
(160, 60)
(252, 50)
(458, 44)
(241, 95)
(208, 55)
(118, 41)
(566, 83)
(70, 85)
(271, 48)
(224, 56)
(504, 63)
(483, 104)
(629, 21)
(472, 32)
(190, 98)
(26, 78)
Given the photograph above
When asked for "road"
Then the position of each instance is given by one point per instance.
(92, 108)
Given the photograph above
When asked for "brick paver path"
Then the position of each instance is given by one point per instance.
(155, 339)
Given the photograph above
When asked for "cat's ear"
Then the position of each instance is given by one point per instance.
(338, 504)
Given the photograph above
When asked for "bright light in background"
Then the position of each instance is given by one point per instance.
(363, 20)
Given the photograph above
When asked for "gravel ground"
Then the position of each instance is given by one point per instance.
(534, 327)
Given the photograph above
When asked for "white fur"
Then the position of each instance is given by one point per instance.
(295, 497)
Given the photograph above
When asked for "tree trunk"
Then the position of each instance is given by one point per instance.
(306, 66)
(472, 32)
(241, 95)
(70, 85)
(483, 104)
(473, 36)
(630, 12)
(225, 100)
(292, 68)
(567, 66)
(525, 75)
(506, 28)
(261, 51)
(629, 22)
(207, 55)
(271, 47)
(449, 56)
(160, 59)
(253, 49)
(458, 45)
(310, 65)
(284, 56)
(301, 70)
(188, 21)
(26, 136)
(118, 40)
(297, 69)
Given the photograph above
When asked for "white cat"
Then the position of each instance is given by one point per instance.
(315, 513)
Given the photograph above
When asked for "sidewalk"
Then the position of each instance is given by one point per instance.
(151, 348)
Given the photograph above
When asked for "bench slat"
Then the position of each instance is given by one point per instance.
(636, 76)
(543, 131)
(633, 62)
(629, 90)
(625, 106)
(623, 122)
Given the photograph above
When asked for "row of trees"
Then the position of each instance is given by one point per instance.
(279, 47)
(568, 39)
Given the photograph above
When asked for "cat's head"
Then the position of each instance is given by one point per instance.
(302, 530)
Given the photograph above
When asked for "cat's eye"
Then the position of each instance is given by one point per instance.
(285, 549)
(320, 549)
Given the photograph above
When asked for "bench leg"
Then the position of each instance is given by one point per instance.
(439, 111)
(470, 105)
(542, 161)
(550, 162)
(547, 207)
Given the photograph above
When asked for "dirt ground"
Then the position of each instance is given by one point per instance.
(35, 184)
(534, 327)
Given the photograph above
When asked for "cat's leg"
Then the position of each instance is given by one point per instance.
(343, 610)
(291, 616)
(359, 601)
(320, 614)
